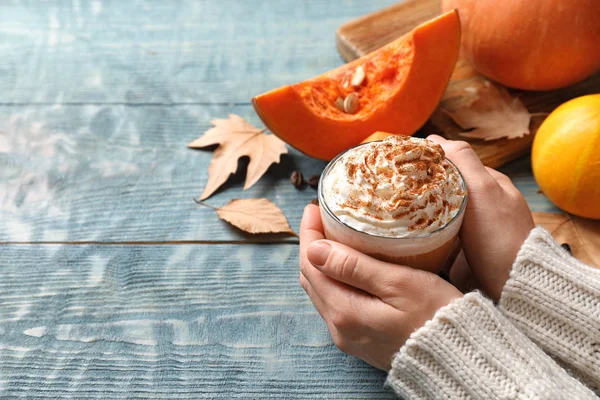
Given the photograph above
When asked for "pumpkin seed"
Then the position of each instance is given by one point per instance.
(339, 103)
(359, 76)
(351, 103)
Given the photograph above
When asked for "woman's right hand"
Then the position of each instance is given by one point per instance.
(496, 223)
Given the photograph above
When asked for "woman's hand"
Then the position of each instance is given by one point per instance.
(370, 307)
(497, 221)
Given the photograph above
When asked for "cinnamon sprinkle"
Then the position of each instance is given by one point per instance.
(410, 176)
(351, 170)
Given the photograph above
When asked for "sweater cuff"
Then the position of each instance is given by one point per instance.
(555, 300)
(469, 350)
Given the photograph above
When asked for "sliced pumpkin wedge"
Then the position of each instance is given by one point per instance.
(395, 89)
(375, 136)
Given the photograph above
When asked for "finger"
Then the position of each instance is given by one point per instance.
(323, 310)
(354, 268)
(465, 159)
(456, 249)
(339, 304)
(461, 275)
(329, 290)
(502, 179)
(311, 229)
(314, 297)
(505, 182)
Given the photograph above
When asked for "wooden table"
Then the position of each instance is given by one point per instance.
(113, 282)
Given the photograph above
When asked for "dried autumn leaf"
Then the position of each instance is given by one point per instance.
(494, 114)
(254, 216)
(582, 235)
(237, 138)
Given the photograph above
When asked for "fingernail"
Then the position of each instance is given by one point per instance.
(435, 138)
(306, 207)
(317, 253)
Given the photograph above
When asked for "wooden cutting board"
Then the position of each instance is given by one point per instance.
(363, 35)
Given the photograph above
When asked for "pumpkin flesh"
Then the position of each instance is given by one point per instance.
(404, 81)
(377, 136)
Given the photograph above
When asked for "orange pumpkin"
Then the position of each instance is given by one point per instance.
(565, 156)
(395, 88)
(531, 45)
(379, 135)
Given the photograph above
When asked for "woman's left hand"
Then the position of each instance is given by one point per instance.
(371, 307)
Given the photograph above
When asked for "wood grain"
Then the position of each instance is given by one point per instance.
(124, 173)
(99, 100)
(101, 156)
(160, 53)
(365, 34)
(120, 173)
(144, 294)
(167, 322)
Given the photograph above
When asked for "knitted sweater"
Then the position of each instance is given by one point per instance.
(472, 349)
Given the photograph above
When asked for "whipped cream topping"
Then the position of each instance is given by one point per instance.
(400, 187)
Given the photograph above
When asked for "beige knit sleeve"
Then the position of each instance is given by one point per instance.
(555, 300)
(470, 350)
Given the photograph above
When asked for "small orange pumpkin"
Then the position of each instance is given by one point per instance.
(565, 156)
(394, 89)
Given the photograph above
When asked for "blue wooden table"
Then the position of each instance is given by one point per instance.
(113, 282)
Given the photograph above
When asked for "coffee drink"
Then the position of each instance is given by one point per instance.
(398, 200)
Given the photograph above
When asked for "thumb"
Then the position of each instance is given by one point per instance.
(466, 160)
(356, 269)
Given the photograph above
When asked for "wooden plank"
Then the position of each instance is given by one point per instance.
(365, 34)
(98, 102)
(158, 52)
(369, 32)
(167, 322)
(120, 173)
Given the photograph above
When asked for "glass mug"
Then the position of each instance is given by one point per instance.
(430, 251)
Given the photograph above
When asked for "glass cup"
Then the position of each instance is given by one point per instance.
(428, 251)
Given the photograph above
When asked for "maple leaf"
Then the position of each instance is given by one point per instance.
(254, 216)
(493, 114)
(582, 235)
(237, 138)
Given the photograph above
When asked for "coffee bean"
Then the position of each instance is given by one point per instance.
(315, 202)
(297, 179)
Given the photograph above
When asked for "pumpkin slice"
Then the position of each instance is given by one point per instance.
(392, 89)
(377, 136)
